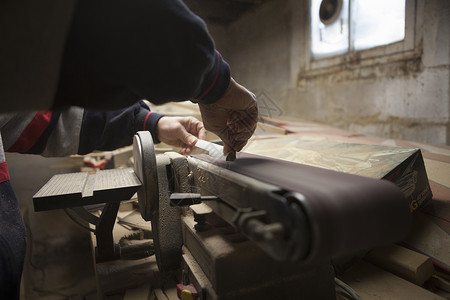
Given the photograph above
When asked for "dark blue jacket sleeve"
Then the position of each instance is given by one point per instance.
(118, 52)
(114, 129)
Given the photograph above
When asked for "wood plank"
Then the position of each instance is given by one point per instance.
(407, 264)
(428, 238)
(371, 282)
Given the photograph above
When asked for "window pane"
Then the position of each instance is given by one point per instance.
(378, 23)
(332, 38)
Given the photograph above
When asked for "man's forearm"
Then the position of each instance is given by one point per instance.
(75, 131)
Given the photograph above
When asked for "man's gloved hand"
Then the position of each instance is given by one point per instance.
(180, 132)
(233, 117)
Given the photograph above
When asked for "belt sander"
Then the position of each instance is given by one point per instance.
(250, 228)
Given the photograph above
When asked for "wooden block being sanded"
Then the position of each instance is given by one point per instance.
(407, 264)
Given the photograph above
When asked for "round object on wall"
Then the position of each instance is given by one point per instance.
(329, 11)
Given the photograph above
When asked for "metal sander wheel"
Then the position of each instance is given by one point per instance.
(146, 171)
(154, 198)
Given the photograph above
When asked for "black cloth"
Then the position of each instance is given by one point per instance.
(118, 52)
(114, 129)
(12, 243)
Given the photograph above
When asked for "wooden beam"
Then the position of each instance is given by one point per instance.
(407, 264)
(371, 282)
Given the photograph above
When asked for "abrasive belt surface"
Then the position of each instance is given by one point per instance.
(347, 213)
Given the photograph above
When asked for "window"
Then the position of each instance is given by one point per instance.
(340, 26)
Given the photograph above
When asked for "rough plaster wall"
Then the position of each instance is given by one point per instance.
(400, 107)
(259, 48)
(407, 99)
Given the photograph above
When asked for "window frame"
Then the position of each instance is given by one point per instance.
(404, 49)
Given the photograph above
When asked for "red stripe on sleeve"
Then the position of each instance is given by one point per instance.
(215, 77)
(4, 174)
(32, 132)
(145, 120)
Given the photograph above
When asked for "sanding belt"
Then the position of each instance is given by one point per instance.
(347, 213)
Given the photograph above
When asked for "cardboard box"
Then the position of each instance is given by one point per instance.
(403, 166)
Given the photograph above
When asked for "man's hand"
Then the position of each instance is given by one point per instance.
(180, 132)
(233, 117)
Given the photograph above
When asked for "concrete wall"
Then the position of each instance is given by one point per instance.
(404, 95)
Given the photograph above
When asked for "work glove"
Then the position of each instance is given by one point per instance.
(233, 117)
(180, 132)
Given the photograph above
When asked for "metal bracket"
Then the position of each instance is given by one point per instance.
(77, 189)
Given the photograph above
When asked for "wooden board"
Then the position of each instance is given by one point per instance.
(407, 264)
(371, 282)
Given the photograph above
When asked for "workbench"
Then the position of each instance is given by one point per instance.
(371, 274)
(368, 276)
